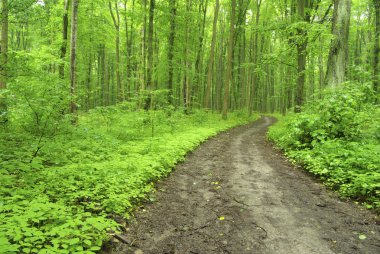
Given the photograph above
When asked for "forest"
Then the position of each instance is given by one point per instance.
(100, 99)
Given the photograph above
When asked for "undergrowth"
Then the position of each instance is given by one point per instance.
(62, 189)
(338, 139)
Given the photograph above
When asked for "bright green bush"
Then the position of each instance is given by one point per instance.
(337, 138)
(61, 193)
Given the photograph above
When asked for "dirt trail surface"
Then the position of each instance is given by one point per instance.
(236, 194)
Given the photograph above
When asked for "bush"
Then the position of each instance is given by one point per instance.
(337, 138)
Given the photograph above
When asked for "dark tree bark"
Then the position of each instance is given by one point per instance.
(150, 44)
(4, 58)
(376, 50)
(64, 38)
(302, 7)
(74, 26)
(173, 12)
(128, 44)
(149, 80)
(212, 57)
(116, 22)
(203, 5)
(338, 55)
(229, 80)
(254, 58)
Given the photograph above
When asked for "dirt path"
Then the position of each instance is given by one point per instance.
(236, 195)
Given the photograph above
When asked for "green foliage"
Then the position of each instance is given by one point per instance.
(64, 199)
(337, 138)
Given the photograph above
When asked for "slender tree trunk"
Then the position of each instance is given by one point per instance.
(102, 72)
(212, 57)
(321, 68)
(150, 44)
(4, 58)
(64, 37)
(74, 26)
(255, 78)
(229, 79)
(301, 56)
(203, 5)
(128, 44)
(220, 65)
(149, 81)
(88, 92)
(338, 55)
(116, 22)
(143, 49)
(171, 50)
(376, 50)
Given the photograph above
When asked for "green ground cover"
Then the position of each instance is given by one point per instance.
(338, 139)
(62, 187)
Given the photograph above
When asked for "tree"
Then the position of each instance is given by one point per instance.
(338, 55)
(73, 53)
(3, 58)
(303, 14)
(150, 44)
(212, 57)
(116, 22)
(64, 38)
(173, 12)
(376, 49)
(254, 57)
(229, 80)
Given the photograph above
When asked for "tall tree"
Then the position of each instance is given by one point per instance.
(303, 14)
(338, 55)
(376, 50)
(212, 57)
(116, 22)
(73, 58)
(3, 56)
(254, 58)
(202, 11)
(229, 79)
(64, 38)
(150, 44)
(173, 12)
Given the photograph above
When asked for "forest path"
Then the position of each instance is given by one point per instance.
(236, 194)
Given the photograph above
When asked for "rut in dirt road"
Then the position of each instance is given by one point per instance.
(236, 194)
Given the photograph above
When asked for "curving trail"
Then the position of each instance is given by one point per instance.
(236, 194)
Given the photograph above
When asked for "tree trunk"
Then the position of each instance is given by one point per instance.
(64, 37)
(254, 57)
(301, 56)
(150, 44)
(88, 92)
(376, 50)
(211, 60)
(129, 43)
(143, 50)
(171, 50)
(116, 22)
(4, 59)
(229, 80)
(338, 55)
(220, 64)
(199, 60)
(74, 26)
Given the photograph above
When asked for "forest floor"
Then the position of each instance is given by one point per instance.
(236, 194)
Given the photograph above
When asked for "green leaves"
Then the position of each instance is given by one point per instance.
(63, 200)
(335, 138)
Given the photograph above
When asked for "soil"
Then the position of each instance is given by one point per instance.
(236, 194)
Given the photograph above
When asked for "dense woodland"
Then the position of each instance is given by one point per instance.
(99, 99)
(223, 55)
